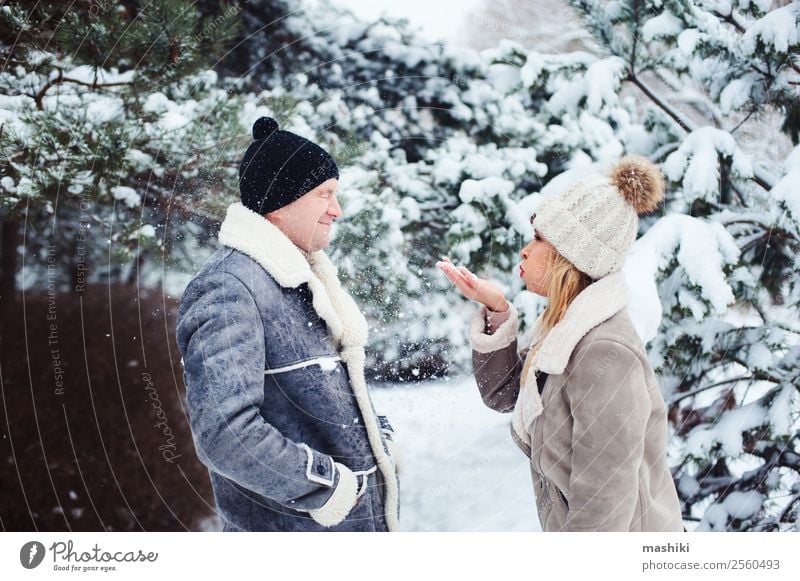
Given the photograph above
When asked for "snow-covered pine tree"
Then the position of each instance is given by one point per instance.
(112, 126)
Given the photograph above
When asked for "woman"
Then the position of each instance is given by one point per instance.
(587, 409)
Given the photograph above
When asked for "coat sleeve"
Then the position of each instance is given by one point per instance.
(609, 405)
(221, 338)
(495, 361)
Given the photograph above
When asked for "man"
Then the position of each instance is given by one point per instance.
(273, 355)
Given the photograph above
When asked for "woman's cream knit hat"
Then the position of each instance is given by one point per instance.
(594, 222)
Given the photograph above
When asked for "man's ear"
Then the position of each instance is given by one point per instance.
(273, 217)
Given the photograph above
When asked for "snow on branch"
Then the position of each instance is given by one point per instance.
(695, 164)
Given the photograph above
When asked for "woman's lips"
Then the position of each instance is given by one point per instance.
(521, 272)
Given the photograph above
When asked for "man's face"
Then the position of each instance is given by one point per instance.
(307, 221)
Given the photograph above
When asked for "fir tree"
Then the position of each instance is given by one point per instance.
(113, 127)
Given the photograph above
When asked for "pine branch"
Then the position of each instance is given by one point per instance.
(769, 233)
(95, 85)
(729, 19)
(743, 121)
(663, 152)
(710, 486)
(694, 392)
(788, 508)
(635, 34)
(172, 201)
(769, 322)
(757, 374)
(698, 101)
(685, 124)
(39, 97)
(774, 456)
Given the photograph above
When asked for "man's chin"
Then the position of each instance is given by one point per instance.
(317, 245)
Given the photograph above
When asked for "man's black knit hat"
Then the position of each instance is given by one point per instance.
(280, 166)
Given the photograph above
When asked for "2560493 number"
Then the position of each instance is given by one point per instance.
(756, 564)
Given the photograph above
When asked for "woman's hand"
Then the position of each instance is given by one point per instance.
(472, 287)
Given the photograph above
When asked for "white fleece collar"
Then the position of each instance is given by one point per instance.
(254, 235)
(593, 305)
(599, 301)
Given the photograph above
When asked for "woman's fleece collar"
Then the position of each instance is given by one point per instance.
(250, 233)
(596, 303)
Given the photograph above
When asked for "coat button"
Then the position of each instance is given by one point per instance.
(320, 469)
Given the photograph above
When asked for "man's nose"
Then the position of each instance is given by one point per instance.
(334, 209)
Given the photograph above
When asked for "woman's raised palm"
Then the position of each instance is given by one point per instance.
(473, 287)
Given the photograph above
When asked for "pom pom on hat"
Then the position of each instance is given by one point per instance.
(594, 222)
(639, 181)
(264, 127)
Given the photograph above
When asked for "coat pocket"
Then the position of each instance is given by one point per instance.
(560, 497)
(552, 499)
(543, 501)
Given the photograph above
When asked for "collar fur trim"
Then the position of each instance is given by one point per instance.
(596, 303)
(254, 235)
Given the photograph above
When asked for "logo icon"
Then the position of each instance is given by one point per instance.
(31, 554)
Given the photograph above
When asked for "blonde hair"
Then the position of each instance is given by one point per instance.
(564, 284)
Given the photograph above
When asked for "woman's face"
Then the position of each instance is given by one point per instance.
(536, 257)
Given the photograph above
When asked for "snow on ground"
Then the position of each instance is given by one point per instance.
(459, 468)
